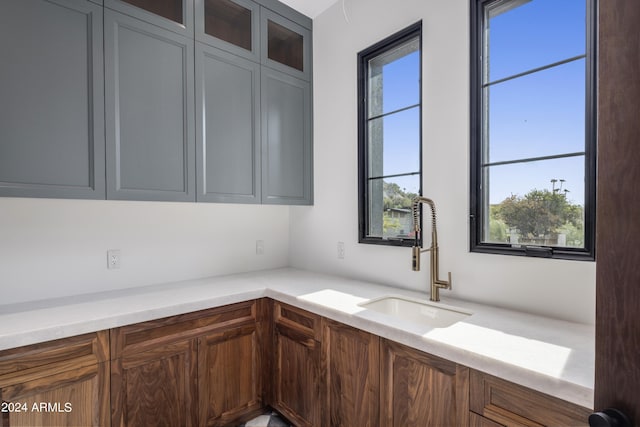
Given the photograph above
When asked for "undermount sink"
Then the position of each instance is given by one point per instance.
(422, 312)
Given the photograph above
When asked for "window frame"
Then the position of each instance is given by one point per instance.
(476, 219)
(364, 56)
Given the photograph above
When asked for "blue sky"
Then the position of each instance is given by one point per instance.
(538, 115)
(401, 82)
(543, 113)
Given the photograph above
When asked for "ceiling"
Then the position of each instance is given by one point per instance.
(311, 8)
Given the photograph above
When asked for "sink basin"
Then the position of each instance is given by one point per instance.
(433, 314)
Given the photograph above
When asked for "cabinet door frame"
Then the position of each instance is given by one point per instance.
(20, 388)
(119, 386)
(268, 197)
(95, 110)
(363, 405)
(114, 21)
(204, 52)
(246, 410)
(202, 36)
(390, 350)
(305, 330)
(184, 29)
(43, 367)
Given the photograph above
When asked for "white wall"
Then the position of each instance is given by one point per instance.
(54, 248)
(562, 289)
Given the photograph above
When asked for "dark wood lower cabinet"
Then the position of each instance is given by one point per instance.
(508, 404)
(155, 387)
(297, 380)
(476, 420)
(57, 383)
(230, 376)
(196, 369)
(223, 366)
(418, 389)
(352, 365)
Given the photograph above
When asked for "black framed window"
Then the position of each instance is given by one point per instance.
(390, 137)
(533, 127)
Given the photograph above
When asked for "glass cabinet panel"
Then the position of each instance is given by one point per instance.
(170, 9)
(285, 46)
(228, 21)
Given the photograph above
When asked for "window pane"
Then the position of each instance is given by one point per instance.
(538, 33)
(539, 114)
(394, 143)
(536, 203)
(394, 79)
(390, 206)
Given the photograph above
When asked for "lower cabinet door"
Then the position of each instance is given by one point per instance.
(230, 376)
(155, 387)
(298, 382)
(77, 397)
(418, 389)
(352, 364)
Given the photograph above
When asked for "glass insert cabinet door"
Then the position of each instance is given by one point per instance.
(173, 15)
(231, 25)
(170, 9)
(285, 45)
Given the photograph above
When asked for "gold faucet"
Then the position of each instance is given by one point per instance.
(436, 284)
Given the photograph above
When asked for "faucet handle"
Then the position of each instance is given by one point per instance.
(449, 282)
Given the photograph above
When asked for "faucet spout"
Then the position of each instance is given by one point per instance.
(435, 282)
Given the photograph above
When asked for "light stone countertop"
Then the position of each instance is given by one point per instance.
(552, 356)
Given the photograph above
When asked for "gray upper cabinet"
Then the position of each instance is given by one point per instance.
(149, 99)
(285, 45)
(51, 99)
(173, 15)
(227, 123)
(287, 156)
(232, 25)
(168, 100)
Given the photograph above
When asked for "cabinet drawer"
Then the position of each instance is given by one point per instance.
(58, 355)
(131, 339)
(513, 405)
(297, 320)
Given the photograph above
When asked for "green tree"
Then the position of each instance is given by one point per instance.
(396, 197)
(541, 213)
(390, 224)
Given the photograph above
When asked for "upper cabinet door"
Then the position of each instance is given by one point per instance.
(227, 127)
(149, 111)
(287, 150)
(173, 15)
(51, 99)
(232, 25)
(285, 45)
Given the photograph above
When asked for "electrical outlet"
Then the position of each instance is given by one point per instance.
(259, 247)
(113, 259)
(340, 250)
